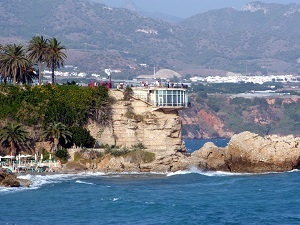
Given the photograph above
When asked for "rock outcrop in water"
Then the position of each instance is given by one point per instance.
(135, 122)
(246, 153)
(11, 180)
(250, 153)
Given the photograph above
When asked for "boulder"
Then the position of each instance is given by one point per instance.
(249, 152)
(11, 180)
(210, 157)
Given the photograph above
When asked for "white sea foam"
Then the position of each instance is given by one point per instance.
(82, 182)
(220, 173)
(205, 173)
(39, 180)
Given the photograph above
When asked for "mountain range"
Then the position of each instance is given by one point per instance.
(259, 39)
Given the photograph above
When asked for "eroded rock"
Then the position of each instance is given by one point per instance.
(249, 152)
(11, 180)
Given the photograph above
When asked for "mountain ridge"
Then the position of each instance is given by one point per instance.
(100, 36)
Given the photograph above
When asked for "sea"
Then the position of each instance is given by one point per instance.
(184, 197)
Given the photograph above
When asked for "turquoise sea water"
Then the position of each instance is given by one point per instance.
(184, 197)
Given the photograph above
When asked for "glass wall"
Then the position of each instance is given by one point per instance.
(175, 98)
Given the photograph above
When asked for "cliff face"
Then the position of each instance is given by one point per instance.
(135, 122)
(201, 123)
(223, 116)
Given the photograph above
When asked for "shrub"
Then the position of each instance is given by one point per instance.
(62, 154)
(127, 93)
(140, 156)
(138, 146)
(115, 150)
(82, 137)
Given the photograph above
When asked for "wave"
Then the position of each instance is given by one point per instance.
(195, 170)
(82, 182)
(39, 180)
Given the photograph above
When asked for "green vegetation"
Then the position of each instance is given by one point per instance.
(16, 63)
(56, 132)
(260, 115)
(69, 104)
(62, 154)
(135, 154)
(130, 114)
(128, 92)
(56, 111)
(37, 51)
(116, 150)
(13, 135)
(81, 137)
(140, 156)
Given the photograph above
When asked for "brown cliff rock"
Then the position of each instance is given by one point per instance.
(249, 152)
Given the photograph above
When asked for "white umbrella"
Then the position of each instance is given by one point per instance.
(8, 157)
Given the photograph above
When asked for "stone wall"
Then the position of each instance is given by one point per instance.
(134, 122)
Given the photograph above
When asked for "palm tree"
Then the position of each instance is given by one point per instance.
(27, 76)
(55, 131)
(37, 50)
(14, 135)
(55, 56)
(13, 61)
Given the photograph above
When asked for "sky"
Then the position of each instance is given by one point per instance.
(187, 8)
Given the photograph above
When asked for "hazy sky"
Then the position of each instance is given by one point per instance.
(186, 8)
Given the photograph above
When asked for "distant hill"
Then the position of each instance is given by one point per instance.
(260, 39)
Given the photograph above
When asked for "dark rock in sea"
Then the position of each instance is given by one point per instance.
(11, 180)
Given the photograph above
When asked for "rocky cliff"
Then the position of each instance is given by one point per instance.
(250, 153)
(134, 122)
(222, 116)
(246, 153)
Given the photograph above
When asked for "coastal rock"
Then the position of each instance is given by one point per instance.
(75, 166)
(249, 152)
(24, 182)
(117, 164)
(168, 161)
(210, 157)
(11, 180)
